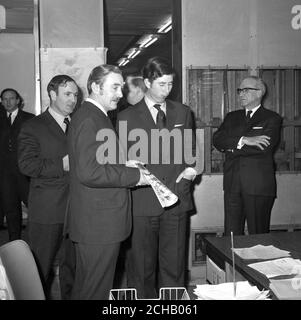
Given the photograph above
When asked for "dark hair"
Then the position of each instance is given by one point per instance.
(18, 96)
(57, 81)
(99, 73)
(156, 67)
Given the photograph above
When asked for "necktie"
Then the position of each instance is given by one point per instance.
(67, 122)
(248, 116)
(9, 119)
(161, 118)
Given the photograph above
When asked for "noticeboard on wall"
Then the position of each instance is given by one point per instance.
(74, 62)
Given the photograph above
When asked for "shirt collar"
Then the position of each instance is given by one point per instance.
(14, 113)
(98, 105)
(57, 116)
(150, 104)
(253, 110)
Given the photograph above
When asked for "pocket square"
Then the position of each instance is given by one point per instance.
(257, 128)
(179, 125)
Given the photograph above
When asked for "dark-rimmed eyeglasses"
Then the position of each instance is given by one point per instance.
(246, 90)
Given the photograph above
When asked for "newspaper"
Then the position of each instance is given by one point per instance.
(165, 196)
(224, 291)
(278, 267)
(261, 252)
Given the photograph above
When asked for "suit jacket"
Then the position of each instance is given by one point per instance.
(99, 211)
(145, 202)
(8, 142)
(42, 146)
(249, 167)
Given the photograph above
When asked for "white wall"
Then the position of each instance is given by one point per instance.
(208, 197)
(17, 66)
(238, 33)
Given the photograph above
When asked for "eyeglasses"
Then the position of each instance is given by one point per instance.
(246, 90)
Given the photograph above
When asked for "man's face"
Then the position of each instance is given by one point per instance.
(159, 89)
(65, 100)
(135, 94)
(251, 96)
(111, 91)
(10, 101)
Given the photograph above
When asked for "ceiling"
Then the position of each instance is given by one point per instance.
(125, 21)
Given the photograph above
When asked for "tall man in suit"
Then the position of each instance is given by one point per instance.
(248, 138)
(43, 156)
(99, 213)
(159, 234)
(2, 115)
(13, 184)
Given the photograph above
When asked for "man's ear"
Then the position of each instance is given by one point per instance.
(53, 95)
(95, 88)
(147, 83)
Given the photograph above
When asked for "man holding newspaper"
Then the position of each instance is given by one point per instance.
(159, 210)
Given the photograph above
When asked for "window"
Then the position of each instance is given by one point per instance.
(211, 93)
(284, 96)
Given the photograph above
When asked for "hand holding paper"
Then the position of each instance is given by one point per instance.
(164, 195)
(188, 174)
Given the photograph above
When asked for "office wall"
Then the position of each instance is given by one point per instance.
(241, 33)
(71, 23)
(17, 66)
(208, 196)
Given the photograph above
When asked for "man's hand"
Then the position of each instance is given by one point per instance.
(133, 163)
(143, 181)
(66, 163)
(258, 141)
(188, 174)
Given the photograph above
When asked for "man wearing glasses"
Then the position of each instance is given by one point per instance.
(248, 138)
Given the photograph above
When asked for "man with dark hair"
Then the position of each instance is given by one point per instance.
(134, 88)
(159, 234)
(248, 138)
(43, 156)
(99, 212)
(13, 184)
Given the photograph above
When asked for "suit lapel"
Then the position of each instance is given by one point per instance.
(171, 115)
(256, 117)
(53, 125)
(145, 115)
(18, 119)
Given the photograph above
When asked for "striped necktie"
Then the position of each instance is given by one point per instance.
(67, 122)
(161, 118)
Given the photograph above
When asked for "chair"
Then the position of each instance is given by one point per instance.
(22, 271)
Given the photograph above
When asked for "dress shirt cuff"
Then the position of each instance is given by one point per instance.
(240, 143)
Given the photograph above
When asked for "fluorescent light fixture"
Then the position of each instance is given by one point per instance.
(131, 54)
(126, 62)
(143, 44)
(151, 42)
(136, 54)
(166, 27)
(2, 17)
(121, 62)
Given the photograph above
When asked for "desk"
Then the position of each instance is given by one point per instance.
(218, 249)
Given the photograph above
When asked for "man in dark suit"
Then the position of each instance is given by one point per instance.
(43, 156)
(159, 234)
(2, 115)
(99, 212)
(13, 184)
(248, 138)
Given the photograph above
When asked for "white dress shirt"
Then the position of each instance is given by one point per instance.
(59, 118)
(13, 115)
(150, 104)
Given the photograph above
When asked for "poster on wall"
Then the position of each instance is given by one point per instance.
(75, 62)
